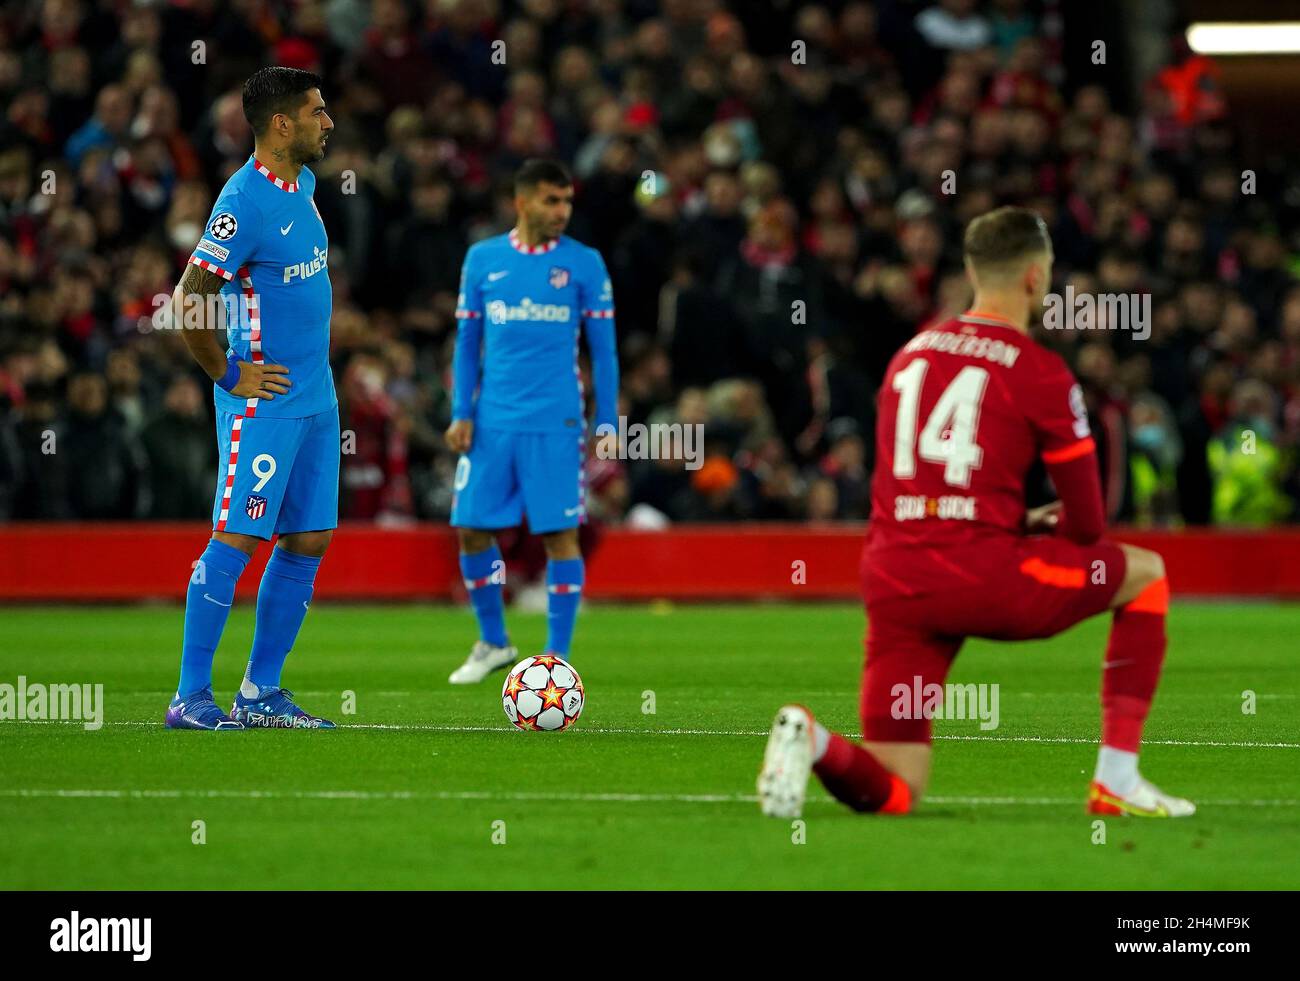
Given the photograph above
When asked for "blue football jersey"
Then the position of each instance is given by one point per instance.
(520, 309)
(267, 240)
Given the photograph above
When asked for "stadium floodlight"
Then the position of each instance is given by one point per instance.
(1228, 38)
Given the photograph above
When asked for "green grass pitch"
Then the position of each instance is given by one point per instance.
(410, 793)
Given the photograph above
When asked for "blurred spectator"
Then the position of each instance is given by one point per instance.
(647, 379)
(774, 233)
(178, 442)
(373, 480)
(1106, 413)
(33, 462)
(775, 295)
(715, 494)
(123, 376)
(105, 467)
(107, 128)
(954, 25)
(1156, 450)
(1247, 463)
(845, 466)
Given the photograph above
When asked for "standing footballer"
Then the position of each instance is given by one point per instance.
(966, 407)
(517, 408)
(277, 414)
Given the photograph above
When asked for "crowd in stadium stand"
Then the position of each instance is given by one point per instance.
(768, 184)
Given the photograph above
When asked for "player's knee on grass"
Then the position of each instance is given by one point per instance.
(312, 543)
(1142, 568)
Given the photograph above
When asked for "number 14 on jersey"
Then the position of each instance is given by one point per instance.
(950, 432)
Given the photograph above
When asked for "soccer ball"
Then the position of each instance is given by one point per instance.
(543, 692)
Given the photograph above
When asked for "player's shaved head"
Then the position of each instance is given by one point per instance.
(1000, 244)
(274, 90)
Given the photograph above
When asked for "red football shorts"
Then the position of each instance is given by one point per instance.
(923, 602)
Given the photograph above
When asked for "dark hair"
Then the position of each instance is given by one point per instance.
(1005, 236)
(275, 90)
(539, 171)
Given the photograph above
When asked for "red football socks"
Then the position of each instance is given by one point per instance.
(1133, 658)
(856, 778)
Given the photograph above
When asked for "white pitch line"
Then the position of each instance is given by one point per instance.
(380, 795)
(416, 727)
(487, 795)
(1093, 742)
(1073, 800)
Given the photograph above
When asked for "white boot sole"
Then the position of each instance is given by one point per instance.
(787, 763)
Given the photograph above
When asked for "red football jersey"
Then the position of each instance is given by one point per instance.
(965, 408)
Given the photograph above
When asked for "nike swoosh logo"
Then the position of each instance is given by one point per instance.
(285, 229)
(218, 602)
(493, 277)
(570, 512)
(305, 606)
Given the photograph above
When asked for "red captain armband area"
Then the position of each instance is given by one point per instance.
(1075, 475)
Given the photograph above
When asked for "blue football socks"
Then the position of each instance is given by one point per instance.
(564, 592)
(485, 578)
(282, 601)
(208, 600)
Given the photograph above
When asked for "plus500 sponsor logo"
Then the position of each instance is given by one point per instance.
(499, 312)
(305, 270)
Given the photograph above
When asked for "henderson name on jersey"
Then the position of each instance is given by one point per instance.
(965, 409)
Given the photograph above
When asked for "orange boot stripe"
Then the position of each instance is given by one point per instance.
(900, 797)
(1153, 599)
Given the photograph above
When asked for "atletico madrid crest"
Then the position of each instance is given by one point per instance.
(255, 507)
(559, 277)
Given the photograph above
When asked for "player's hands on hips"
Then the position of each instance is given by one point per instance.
(263, 381)
(1043, 519)
(460, 434)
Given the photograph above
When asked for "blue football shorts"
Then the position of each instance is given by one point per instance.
(277, 476)
(506, 475)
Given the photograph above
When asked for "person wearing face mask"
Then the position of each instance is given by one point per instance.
(1155, 451)
(1248, 466)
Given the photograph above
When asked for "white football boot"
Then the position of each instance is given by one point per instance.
(1144, 800)
(787, 762)
(482, 661)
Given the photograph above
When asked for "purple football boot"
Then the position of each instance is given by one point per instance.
(197, 710)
